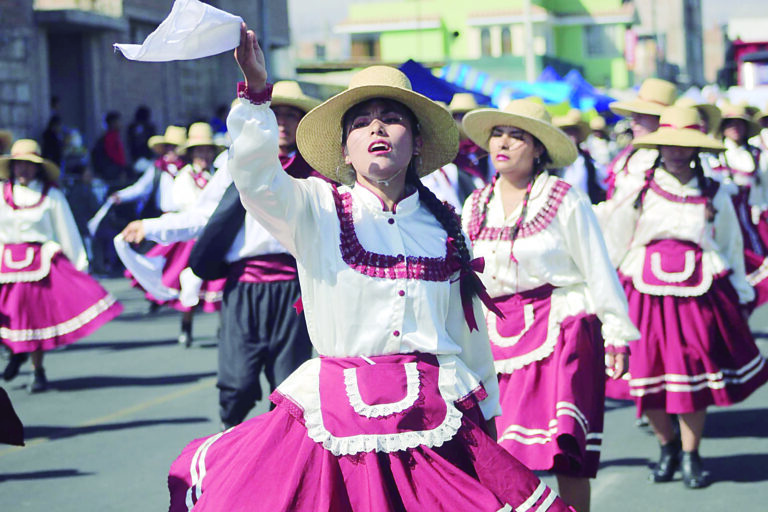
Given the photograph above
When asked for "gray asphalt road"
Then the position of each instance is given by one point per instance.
(126, 400)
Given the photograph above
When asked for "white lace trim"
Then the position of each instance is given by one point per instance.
(71, 325)
(712, 267)
(378, 410)
(754, 278)
(47, 251)
(541, 352)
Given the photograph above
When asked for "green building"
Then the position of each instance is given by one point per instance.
(490, 35)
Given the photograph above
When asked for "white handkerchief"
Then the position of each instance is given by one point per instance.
(192, 30)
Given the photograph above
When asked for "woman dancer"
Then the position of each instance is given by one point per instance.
(548, 270)
(392, 415)
(681, 263)
(46, 298)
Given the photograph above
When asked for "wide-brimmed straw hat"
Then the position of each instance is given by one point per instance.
(597, 124)
(200, 134)
(679, 126)
(763, 114)
(6, 138)
(463, 102)
(711, 111)
(28, 150)
(173, 136)
(654, 96)
(731, 111)
(319, 133)
(529, 116)
(289, 93)
(573, 119)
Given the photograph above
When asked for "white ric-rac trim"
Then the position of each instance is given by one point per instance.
(71, 325)
(690, 383)
(378, 410)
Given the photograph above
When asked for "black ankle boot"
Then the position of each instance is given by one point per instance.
(39, 381)
(668, 463)
(185, 337)
(694, 476)
(14, 363)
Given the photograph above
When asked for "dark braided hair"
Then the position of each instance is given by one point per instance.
(707, 187)
(638, 204)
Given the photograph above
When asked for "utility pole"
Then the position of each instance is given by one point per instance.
(530, 65)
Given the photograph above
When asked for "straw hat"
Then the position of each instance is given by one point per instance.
(6, 138)
(27, 150)
(679, 126)
(463, 102)
(597, 124)
(200, 134)
(758, 117)
(288, 93)
(711, 111)
(173, 136)
(654, 96)
(319, 133)
(573, 119)
(529, 116)
(731, 111)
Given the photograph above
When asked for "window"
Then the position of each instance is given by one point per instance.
(600, 41)
(365, 48)
(506, 41)
(485, 42)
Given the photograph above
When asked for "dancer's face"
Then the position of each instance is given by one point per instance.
(24, 172)
(643, 124)
(677, 160)
(735, 129)
(202, 157)
(287, 121)
(380, 140)
(513, 151)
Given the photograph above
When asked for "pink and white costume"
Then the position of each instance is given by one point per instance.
(562, 302)
(685, 281)
(46, 298)
(382, 306)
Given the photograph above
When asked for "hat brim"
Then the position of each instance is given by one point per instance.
(713, 115)
(319, 133)
(636, 106)
(684, 137)
(581, 126)
(479, 123)
(159, 140)
(304, 104)
(182, 150)
(51, 170)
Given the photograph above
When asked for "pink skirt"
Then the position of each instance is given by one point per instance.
(552, 409)
(269, 463)
(61, 308)
(176, 260)
(693, 351)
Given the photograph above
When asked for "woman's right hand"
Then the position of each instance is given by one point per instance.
(250, 58)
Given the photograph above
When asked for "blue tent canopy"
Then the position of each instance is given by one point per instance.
(437, 89)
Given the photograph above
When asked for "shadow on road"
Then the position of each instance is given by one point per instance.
(57, 432)
(612, 404)
(738, 468)
(109, 381)
(627, 461)
(736, 423)
(120, 345)
(38, 475)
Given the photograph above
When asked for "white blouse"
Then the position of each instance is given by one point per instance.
(186, 189)
(50, 221)
(628, 230)
(627, 171)
(142, 188)
(559, 244)
(348, 311)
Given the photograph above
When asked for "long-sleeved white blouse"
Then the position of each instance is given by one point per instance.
(349, 310)
(50, 221)
(559, 244)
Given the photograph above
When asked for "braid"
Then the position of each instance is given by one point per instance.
(638, 204)
(705, 185)
(444, 214)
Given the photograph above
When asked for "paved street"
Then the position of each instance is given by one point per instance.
(126, 400)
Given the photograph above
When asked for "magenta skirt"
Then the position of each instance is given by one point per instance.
(176, 260)
(269, 463)
(552, 409)
(61, 308)
(693, 351)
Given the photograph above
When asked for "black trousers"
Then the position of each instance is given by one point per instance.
(260, 330)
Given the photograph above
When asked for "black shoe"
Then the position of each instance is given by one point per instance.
(39, 382)
(668, 463)
(153, 308)
(14, 363)
(694, 476)
(185, 337)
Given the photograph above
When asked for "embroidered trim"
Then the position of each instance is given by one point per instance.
(384, 265)
(47, 252)
(379, 410)
(71, 325)
(257, 98)
(677, 383)
(543, 218)
(669, 196)
(8, 196)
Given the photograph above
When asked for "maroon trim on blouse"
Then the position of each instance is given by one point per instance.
(384, 265)
(669, 196)
(257, 98)
(479, 231)
(8, 196)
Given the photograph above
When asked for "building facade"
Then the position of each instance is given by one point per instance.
(63, 49)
